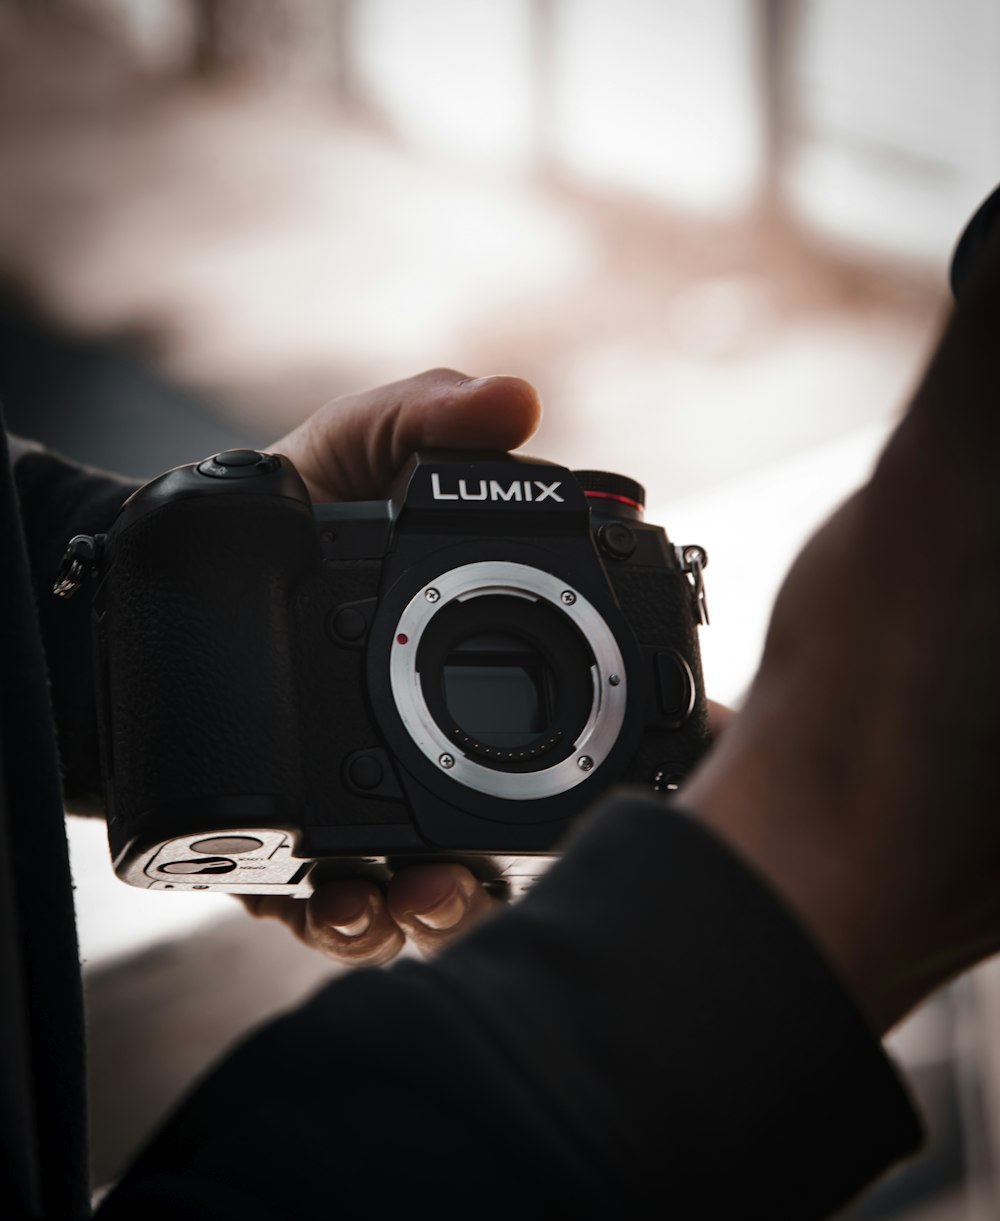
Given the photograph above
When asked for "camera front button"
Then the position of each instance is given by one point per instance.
(675, 686)
(349, 624)
(366, 772)
(616, 540)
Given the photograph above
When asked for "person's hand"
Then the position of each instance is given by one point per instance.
(350, 450)
(862, 776)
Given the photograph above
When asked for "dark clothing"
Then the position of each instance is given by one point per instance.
(648, 1031)
(42, 1116)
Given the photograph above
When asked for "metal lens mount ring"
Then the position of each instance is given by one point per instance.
(603, 725)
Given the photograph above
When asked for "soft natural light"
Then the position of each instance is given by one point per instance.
(662, 100)
(114, 919)
(452, 76)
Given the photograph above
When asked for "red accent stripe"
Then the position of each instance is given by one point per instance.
(633, 504)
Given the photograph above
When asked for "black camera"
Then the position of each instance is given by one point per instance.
(290, 693)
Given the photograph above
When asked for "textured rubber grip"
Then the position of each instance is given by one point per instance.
(195, 619)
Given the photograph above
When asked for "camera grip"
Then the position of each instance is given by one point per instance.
(658, 605)
(193, 618)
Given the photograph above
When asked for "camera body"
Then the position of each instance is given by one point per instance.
(290, 693)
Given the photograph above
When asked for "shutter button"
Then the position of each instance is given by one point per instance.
(239, 464)
(238, 457)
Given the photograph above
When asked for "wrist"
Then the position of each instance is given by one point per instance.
(824, 854)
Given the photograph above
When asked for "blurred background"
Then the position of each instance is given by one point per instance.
(714, 233)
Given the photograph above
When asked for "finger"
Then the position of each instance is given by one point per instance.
(434, 904)
(351, 448)
(952, 425)
(283, 908)
(348, 921)
(719, 718)
(958, 393)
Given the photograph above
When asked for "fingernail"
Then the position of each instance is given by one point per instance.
(446, 913)
(480, 381)
(358, 926)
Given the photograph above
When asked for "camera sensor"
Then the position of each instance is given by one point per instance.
(496, 688)
(507, 677)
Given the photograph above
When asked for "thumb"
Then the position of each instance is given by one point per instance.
(351, 448)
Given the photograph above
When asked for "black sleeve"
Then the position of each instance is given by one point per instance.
(59, 499)
(649, 1032)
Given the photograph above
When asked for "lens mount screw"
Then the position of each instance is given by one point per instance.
(447, 761)
(567, 597)
(432, 595)
(585, 763)
(614, 680)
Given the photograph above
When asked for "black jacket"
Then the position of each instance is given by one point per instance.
(648, 1032)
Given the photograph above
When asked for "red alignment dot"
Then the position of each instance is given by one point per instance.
(402, 638)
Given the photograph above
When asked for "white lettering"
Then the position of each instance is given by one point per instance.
(497, 492)
(436, 490)
(548, 491)
(465, 494)
(518, 490)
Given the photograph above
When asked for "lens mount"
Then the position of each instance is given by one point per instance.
(587, 710)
